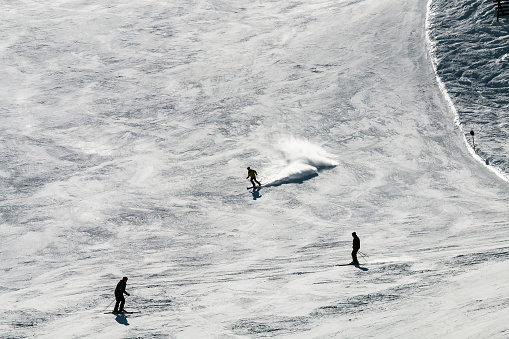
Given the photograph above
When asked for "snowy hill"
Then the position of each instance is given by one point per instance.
(126, 131)
(471, 57)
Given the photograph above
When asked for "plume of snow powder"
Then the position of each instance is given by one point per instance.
(304, 160)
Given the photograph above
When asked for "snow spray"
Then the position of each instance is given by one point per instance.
(304, 160)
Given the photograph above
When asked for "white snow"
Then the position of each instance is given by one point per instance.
(126, 130)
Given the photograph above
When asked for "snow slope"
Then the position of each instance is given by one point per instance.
(471, 56)
(126, 129)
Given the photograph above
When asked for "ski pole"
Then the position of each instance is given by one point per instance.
(365, 255)
(108, 305)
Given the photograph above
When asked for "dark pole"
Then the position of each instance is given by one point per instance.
(498, 9)
(473, 141)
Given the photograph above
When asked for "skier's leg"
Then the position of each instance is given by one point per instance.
(354, 257)
(116, 306)
(122, 303)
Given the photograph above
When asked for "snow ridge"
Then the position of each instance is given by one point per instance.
(467, 96)
(475, 96)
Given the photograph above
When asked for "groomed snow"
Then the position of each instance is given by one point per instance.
(127, 127)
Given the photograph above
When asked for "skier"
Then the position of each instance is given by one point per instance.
(119, 295)
(252, 174)
(356, 248)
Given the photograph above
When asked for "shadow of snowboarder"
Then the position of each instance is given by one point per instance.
(256, 193)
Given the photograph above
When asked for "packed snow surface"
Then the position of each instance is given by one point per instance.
(126, 129)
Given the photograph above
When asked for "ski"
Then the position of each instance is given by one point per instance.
(254, 187)
(124, 312)
(348, 264)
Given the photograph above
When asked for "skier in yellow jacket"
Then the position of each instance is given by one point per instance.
(251, 175)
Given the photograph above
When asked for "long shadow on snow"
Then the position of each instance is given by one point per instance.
(300, 177)
(291, 180)
(256, 191)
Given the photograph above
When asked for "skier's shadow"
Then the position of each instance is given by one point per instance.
(361, 268)
(256, 193)
(122, 319)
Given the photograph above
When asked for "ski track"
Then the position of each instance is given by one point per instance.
(126, 130)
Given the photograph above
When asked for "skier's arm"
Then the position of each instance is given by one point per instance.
(123, 290)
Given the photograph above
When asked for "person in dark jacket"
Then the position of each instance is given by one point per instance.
(251, 175)
(119, 295)
(356, 248)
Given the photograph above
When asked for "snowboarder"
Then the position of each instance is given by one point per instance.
(119, 295)
(251, 175)
(356, 248)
